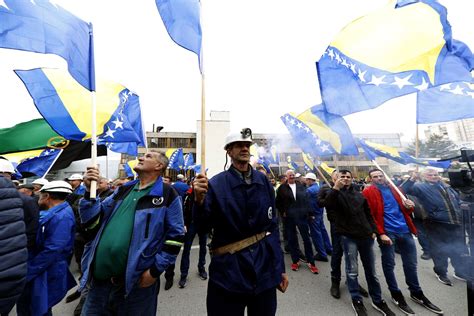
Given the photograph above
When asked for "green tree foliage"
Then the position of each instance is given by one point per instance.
(436, 146)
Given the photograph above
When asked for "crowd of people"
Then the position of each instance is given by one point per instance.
(131, 233)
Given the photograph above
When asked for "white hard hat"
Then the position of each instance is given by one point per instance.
(311, 176)
(245, 135)
(40, 181)
(180, 176)
(57, 186)
(75, 176)
(6, 166)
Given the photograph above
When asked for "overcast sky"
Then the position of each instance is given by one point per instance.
(258, 56)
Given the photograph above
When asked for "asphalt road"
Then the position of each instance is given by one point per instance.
(308, 294)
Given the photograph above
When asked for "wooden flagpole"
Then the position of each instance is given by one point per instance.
(402, 196)
(93, 188)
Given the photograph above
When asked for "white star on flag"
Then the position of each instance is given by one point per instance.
(118, 123)
(401, 82)
(324, 147)
(353, 68)
(306, 128)
(299, 125)
(458, 90)
(344, 63)
(110, 133)
(292, 122)
(423, 85)
(377, 80)
(445, 87)
(338, 58)
(318, 141)
(470, 93)
(361, 75)
(331, 54)
(3, 4)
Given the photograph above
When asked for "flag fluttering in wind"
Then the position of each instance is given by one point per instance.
(402, 48)
(373, 150)
(34, 162)
(188, 161)
(176, 158)
(183, 23)
(42, 27)
(291, 164)
(308, 163)
(320, 133)
(66, 106)
(128, 168)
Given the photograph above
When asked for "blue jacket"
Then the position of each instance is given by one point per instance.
(312, 192)
(439, 200)
(48, 269)
(181, 188)
(236, 210)
(13, 252)
(158, 230)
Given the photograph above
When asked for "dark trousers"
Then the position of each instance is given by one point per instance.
(188, 242)
(169, 272)
(364, 247)
(319, 235)
(104, 298)
(337, 253)
(407, 247)
(222, 302)
(421, 235)
(303, 228)
(446, 241)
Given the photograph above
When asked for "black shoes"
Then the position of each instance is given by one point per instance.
(359, 308)
(335, 291)
(168, 284)
(182, 281)
(421, 299)
(399, 300)
(425, 256)
(444, 279)
(383, 308)
(318, 257)
(202, 274)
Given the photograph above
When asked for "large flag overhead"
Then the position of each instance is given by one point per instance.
(66, 106)
(402, 48)
(320, 133)
(183, 22)
(373, 150)
(34, 162)
(43, 27)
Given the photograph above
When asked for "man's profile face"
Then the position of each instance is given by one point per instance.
(74, 183)
(377, 177)
(239, 152)
(103, 184)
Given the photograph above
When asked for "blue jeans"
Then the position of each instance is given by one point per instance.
(188, 242)
(352, 247)
(104, 298)
(407, 247)
(303, 228)
(337, 253)
(319, 235)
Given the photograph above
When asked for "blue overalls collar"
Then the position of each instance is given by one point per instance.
(237, 178)
(157, 188)
(45, 216)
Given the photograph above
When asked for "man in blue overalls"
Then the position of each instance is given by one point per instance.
(247, 262)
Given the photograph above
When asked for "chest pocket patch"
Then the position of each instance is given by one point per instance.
(270, 213)
(157, 201)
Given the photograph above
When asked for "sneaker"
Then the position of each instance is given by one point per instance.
(444, 279)
(383, 308)
(359, 308)
(182, 282)
(421, 299)
(168, 284)
(313, 268)
(295, 266)
(363, 292)
(425, 256)
(202, 274)
(399, 300)
(318, 257)
(459, 276)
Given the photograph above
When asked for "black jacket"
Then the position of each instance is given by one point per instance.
(322, 194)
(351, 212)
(13, 252)
(31, 216)
(286, 203)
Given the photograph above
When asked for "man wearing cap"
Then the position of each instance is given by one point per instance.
(246, 259)
(75, 180)
(48, 276)
(13, 252)
(316, 222)
(139, 231)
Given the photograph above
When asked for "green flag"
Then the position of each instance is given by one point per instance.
(34, 134)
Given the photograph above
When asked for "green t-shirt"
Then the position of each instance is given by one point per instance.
(112, 251)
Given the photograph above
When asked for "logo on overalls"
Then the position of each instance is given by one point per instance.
(270, 213)
(157, 201)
